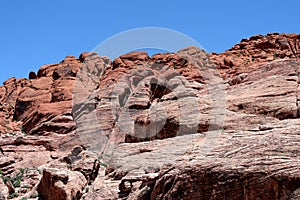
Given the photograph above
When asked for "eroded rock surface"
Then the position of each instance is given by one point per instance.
(185, 125)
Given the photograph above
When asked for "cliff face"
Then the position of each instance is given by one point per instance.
(185, 125)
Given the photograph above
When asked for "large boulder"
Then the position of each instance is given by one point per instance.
(58, 184)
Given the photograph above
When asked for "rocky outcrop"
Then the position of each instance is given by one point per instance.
(43, 104)
(257, 50)
(140, 98)
(37, 120)
(185, 125)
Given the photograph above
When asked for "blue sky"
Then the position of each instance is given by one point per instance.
(35, 32)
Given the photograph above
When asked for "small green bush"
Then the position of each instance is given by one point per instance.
(15, 180)
(13, 195)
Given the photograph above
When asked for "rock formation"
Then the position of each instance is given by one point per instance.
(185, 125)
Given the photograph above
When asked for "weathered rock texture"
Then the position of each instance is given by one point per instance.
(257, 50)
(185, 125)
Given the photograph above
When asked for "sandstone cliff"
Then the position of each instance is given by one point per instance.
(185, 125)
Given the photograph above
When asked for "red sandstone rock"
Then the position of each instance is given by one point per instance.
(54, 121)
(61, 184)
(258, 50)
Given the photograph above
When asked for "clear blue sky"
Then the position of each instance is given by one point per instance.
(35, 32)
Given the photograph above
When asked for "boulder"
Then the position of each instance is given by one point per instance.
(61, 184)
